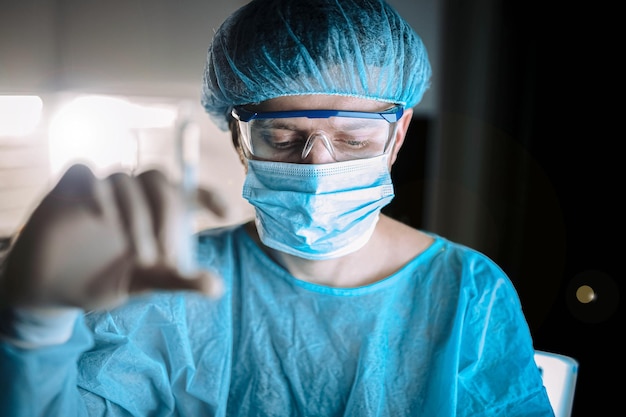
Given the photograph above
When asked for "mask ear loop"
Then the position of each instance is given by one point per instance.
(311, 141)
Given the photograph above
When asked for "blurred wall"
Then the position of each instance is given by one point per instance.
(153, 49)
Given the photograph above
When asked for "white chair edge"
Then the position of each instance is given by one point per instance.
(559, 373)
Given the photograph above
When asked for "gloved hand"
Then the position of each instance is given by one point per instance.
(92, 242)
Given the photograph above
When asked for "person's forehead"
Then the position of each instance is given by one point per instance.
(319, 101)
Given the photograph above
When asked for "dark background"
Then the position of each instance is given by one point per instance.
(522, 162)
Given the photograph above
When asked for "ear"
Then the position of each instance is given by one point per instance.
(402, 128)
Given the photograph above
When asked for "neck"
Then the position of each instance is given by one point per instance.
(378, 259)
(331, 272)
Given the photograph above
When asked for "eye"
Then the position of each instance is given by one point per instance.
(357, 143)
(353, 141)
(282, 140)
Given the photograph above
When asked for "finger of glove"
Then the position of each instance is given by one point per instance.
(167, 213)
(170, 279)
(212, 201)
(136, 216)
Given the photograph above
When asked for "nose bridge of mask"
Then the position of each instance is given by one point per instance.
(318, 134)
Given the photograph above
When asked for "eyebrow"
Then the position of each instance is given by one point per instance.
(275, 124)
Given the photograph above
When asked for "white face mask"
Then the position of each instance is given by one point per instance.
(318, 211)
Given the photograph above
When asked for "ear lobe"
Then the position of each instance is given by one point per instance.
(402, 128)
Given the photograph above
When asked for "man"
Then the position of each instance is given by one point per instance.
(320, 306)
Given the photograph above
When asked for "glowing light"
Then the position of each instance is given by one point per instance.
(101, 131)
(585, 294)
(19, 115)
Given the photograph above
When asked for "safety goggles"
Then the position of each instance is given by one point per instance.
(289, 136)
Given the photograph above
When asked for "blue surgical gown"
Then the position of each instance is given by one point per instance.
(444, 336)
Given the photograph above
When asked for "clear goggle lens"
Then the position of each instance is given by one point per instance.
(290, 136)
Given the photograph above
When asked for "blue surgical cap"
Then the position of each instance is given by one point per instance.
(274, 48)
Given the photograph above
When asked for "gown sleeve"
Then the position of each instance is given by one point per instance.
(497, 371)
(42, 381)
